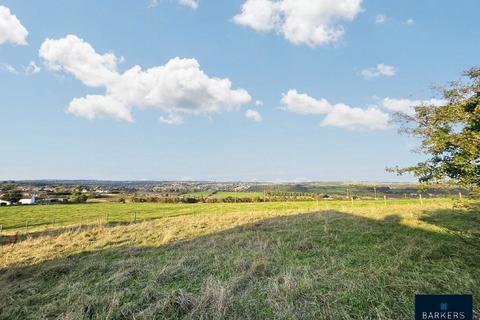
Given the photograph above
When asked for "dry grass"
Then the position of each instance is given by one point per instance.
(361, 262)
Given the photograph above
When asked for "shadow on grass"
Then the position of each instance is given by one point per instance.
(463, 223)
(327, 265)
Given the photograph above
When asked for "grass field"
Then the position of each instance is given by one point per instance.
(224, 194)
(297, 260)
(198, 194)
(238, 195)
(39, 218)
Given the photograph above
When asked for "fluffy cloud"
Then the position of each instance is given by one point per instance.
(179, 86)
(409, 22)
(304, 104)
(311, 22)
(344, 116)
(254, 115)
(73, 55)
(380, 70)
(261, 15)
(336, 115)
(11, 30)
(347, 117)
(407, 105)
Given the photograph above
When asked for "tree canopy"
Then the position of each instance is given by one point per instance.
(12, 196)
(449, 134)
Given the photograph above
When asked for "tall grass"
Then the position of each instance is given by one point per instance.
(264, 261)
(38, 218)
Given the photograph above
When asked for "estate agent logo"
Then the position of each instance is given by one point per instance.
(440, 307)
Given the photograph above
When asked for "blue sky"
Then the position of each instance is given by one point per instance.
(328, 79)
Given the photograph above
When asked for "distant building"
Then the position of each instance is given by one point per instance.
(5, 203)
(31, 200)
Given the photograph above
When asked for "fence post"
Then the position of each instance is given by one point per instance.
(385, 199)
(421, 200)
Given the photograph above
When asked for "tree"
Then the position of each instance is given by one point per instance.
(78, 198)
(12, 196)
(449, 134)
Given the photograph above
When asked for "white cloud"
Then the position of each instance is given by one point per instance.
(336, 115)
(73, 55)
(179, 86)
(189, 3)
(311, 22)
(32, 68)
(380, 19)
(98, 106)
(254, 115)
(380, 70)
(409, 22)
(172, 119)
(258, 103)
(9, 68)
(347, 117)
(29, 70)
(11, 29)
(407, 105)
(304, 104)
(261, 15)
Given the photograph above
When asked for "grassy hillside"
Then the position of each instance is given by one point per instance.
(365, 261)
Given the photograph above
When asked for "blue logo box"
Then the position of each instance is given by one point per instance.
(443, 307)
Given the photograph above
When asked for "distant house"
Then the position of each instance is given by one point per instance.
(31, 200)
(5, 203)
